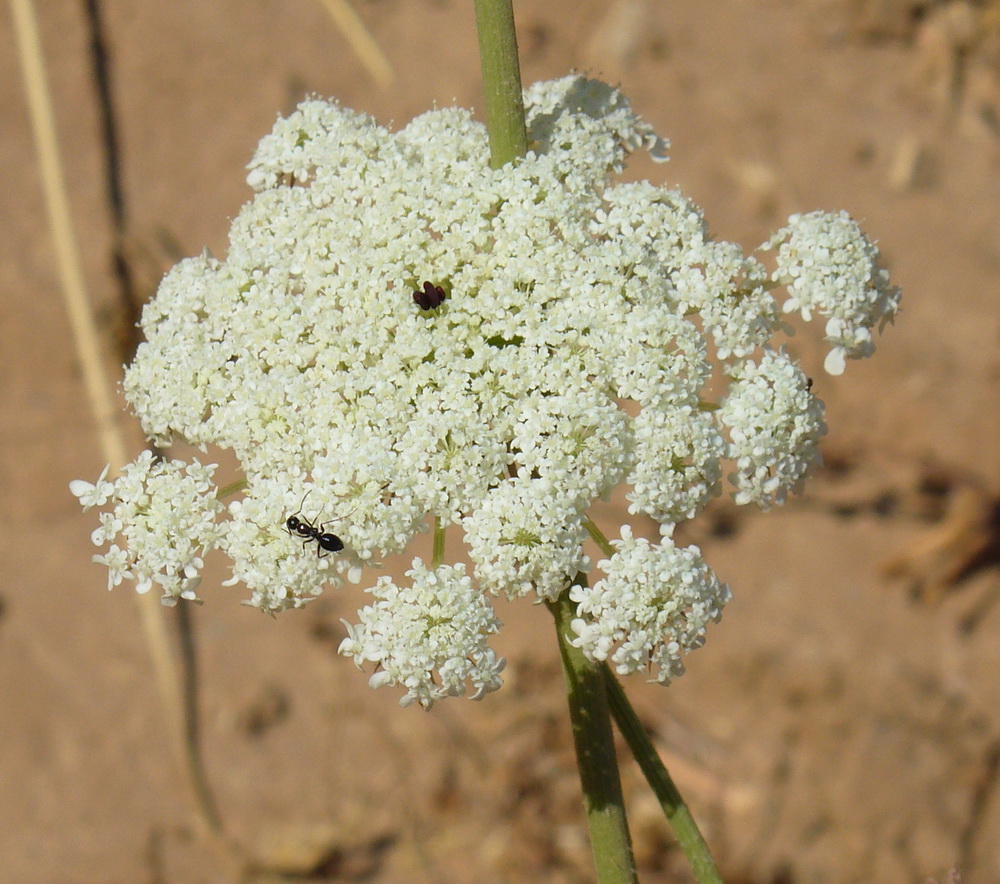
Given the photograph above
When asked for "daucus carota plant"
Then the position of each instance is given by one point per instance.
(455, 327)
(401, 334)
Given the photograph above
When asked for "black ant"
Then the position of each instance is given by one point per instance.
(326, 541)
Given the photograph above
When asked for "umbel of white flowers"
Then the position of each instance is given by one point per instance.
(401, 332)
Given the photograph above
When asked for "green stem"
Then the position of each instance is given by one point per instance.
(656, 774)
(437, 556)
(501, 81)
(598, 536)
(231, 488)
(595, 753)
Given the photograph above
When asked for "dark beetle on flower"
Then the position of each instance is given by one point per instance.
(431, 297)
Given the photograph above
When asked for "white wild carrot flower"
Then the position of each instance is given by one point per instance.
(400, 333)
(652, 605)
(830, 266)
(165, 512)
(429, 637)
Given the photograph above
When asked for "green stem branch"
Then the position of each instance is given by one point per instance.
(656, 774)
(437, 556)
(597, 535)
(501, 81)
(595, 754)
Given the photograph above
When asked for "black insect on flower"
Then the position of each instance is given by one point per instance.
(430, 297)
(326, 541)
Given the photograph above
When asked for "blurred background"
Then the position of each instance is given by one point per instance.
(842, 723)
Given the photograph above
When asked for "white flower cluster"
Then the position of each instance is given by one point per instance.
(165, 514)
(830, 266)
(775, 424)
(653, 603)
(438, 624)
(400, 333)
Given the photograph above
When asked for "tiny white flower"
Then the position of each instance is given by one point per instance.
(116, 560)
(96, 494)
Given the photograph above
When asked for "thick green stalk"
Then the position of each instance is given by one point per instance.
(656, 774)
(595, 754)
(501, 81)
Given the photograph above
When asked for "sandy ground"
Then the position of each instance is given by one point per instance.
(842, 723)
